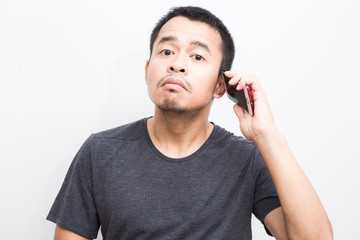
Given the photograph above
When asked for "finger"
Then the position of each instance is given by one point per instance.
(241, 84)
(239, 81)
(242, 79)
(230, 73)
(253, 82)
(235, 79)
(234, 76)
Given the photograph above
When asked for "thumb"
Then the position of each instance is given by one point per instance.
(240, 113)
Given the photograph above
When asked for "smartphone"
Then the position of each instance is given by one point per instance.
(243, 98)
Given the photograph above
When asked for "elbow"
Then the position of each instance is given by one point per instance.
(328, 232)
(325, 232)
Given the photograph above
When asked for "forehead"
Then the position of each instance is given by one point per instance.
(188, 30)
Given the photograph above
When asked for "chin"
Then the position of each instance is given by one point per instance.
(171, 107)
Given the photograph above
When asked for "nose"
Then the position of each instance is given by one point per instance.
(177, 66)
(175, 69)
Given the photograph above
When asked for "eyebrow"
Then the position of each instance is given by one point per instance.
(195, 42)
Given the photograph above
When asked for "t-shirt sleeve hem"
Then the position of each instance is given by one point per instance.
(82, 232)
(267, 206)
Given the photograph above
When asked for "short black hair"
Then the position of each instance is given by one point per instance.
(205, 16)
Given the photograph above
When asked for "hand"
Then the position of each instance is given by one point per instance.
(262, 122)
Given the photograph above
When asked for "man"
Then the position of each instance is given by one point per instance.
(177, 176)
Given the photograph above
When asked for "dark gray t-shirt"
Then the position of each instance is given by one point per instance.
(118, 180)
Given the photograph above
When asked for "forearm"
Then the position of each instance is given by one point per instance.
(305, 217)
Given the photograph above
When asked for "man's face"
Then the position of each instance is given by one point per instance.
(182, 72)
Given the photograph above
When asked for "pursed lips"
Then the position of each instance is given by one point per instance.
(173, 81)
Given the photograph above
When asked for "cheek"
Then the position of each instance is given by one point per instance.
(207, 78)
(151, 75)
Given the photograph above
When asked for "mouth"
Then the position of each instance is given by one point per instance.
(173, 83)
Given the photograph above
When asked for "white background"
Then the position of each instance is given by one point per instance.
(71, 68)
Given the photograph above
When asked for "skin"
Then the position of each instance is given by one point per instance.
(191, 56)
(182, 80)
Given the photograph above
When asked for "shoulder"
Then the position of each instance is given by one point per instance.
(223, 138)
(126, 134)
(130, 131)
(234, 149)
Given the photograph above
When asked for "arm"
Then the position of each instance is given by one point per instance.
(301, 210)
(304, 214)
(64, 234)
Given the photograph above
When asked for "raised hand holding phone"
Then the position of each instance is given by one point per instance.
(242, 98)
(261, 121)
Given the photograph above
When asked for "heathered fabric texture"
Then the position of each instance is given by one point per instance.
(118, 180)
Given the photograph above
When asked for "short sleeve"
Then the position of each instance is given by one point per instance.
(265, 197)
(74, 207)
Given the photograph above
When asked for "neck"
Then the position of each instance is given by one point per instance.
(179, 135)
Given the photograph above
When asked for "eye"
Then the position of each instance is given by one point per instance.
(166, 52)
(198, 57)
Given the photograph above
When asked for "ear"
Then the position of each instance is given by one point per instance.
(146, 71)
(220, 87)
